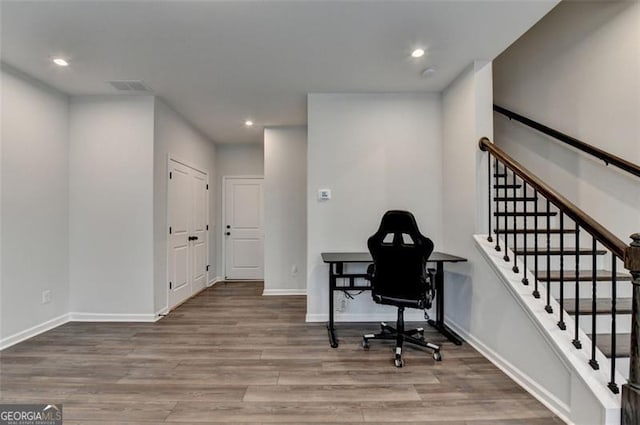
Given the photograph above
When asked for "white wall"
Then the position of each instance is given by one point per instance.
(577, 71)
(375, 152)
(233, 160)
(174, 136)
(285, 210)
(111, 206)
(34, 176)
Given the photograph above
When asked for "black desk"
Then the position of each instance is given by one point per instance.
(337, 260)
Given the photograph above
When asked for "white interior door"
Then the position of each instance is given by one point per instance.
(243, 228)
(198, 231)
(188, 241)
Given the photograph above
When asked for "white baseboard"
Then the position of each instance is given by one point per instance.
(269, 292)
(111, 317)
(161, 313)
(525, 381)
(409, 316)
(214, 281)
(33, 331)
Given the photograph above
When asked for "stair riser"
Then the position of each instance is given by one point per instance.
(622, 366)
(542, 223)
(569, 262)
(554, 239)
(623, 289)
(603, 323)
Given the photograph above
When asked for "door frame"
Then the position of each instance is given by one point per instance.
(224, 215)
(171, 157)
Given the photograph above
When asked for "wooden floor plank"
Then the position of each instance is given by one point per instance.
(232, 356)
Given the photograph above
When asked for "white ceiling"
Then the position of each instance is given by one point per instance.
(218, 63)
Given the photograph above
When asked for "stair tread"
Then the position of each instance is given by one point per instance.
(522, 213)
(603, 306)
(585, 276)
(557, 251)
(532, 231)
(623, 344)
(517, 198)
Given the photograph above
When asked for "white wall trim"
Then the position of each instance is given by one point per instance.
(215, 280)
(542, 395)
(269, 292)
(160, 314)
(111, 317)
(33, 331)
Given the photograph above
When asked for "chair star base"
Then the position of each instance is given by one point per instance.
(400, 335)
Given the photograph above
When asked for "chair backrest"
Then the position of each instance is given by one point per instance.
(400, 254)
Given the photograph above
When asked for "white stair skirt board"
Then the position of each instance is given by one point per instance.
(269, 292)
(560, 341)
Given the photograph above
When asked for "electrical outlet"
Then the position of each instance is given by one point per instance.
(343, 303)
(46, 296)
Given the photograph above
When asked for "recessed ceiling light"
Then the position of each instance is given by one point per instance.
(417, 53)
(248, 123)
(60, 62)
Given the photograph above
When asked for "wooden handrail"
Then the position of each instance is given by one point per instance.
(605, 156)
(604, 236)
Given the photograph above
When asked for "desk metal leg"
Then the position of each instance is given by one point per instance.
(439, 322)
(330, 326)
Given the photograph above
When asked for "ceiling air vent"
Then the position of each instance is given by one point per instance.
(130, 86)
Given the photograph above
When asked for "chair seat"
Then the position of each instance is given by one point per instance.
(400, 302)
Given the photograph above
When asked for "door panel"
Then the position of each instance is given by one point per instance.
(199, 230)
(244, 237)
(179, 198)
(188, 238)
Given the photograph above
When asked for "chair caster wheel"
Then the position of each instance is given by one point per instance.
(365, 344)
(398, 362)
(437, 356)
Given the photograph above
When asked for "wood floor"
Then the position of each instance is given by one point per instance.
(231, 356)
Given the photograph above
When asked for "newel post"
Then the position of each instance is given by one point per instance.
(631, 390)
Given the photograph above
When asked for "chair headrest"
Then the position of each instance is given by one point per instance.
(396, 221)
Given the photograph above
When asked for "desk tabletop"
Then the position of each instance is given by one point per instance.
(365, 257)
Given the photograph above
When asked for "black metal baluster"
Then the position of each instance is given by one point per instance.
(536, 293)
(594, 332)
(576, 337)
(515, 235)
(612, 385)
(506, 235)
(525, 281)
(489, 238)
(496, 193)
(548, 307)
(561, 323)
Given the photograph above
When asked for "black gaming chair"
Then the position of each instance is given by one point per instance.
(399, 277)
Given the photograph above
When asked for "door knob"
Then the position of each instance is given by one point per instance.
(228, 226)
(228, 233)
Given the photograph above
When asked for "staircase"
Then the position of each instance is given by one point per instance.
(574, 267)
